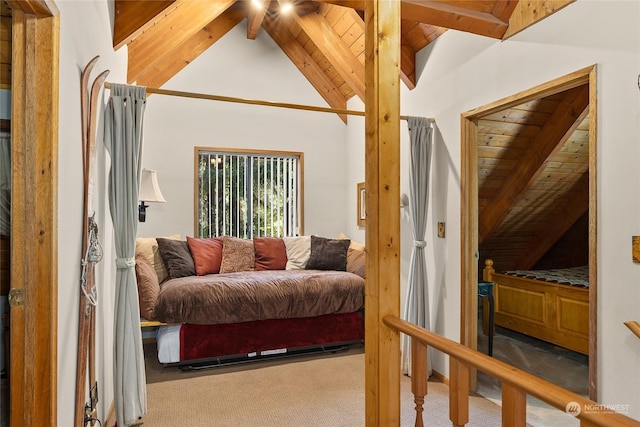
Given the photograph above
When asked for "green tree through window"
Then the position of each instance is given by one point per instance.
(248, 194)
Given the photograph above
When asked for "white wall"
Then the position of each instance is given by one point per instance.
(462, 72)
(85, 31)
(252, 69)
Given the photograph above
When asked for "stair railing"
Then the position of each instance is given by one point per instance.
(516, 384)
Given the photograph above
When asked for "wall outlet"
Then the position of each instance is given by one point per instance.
(441, 230)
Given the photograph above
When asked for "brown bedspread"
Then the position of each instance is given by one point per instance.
(258, 295)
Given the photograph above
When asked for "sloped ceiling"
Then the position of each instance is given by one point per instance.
(324, 39)
(532, 159)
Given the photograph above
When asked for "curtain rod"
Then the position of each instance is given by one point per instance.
(255, 102)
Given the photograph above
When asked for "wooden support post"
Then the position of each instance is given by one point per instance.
(458, 392)
(382, 178)
(419, 363)
(514, 406)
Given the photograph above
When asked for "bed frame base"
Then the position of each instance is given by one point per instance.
(240, 359)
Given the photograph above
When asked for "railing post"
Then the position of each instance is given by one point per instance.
(458, 392)
(514, 406)
(419, 365)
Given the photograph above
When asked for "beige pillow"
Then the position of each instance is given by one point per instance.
(298, 251)
(237, 255)
(148, 247)
(353, 245)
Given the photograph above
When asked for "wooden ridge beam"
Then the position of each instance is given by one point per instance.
(565, 119)
(255, 16)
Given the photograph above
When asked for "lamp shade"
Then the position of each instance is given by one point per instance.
(149, 189)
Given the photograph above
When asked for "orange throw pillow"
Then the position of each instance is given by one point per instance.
(271, 253)
(206, 254)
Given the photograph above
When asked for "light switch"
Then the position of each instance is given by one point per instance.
(441, 230)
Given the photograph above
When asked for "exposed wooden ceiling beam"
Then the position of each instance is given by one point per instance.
(454, 17)
(527, 13)
(181, 56)
(560, 125)
(255, 16)
(174, 29)
(306, 64)
(576, 205)
(503, 9)
(408, 66)
(132, 18)
(334, 49)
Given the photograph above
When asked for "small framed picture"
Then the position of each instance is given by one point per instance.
(362, 209)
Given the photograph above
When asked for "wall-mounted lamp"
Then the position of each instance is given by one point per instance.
(149, 192)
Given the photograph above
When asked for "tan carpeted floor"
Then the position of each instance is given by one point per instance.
(325, 391)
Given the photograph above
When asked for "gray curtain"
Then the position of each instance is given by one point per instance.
(417, 302)
(123, 141)
(5, 184)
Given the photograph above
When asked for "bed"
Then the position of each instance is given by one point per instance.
(214, 316)
(551, 305)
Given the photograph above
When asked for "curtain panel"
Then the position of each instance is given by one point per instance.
(123, 141)
(417, 302)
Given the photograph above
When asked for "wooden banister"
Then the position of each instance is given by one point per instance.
(517, 384)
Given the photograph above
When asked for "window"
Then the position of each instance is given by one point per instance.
(248, 194)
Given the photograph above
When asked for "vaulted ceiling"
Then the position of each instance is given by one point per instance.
(532, 158)
(324, 39)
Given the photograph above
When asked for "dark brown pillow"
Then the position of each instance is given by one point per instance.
(356, 262)
(148, 287)
(271, 253)
(206, 254)
(328, 254)
(176, 257)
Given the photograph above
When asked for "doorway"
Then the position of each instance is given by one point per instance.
(531, 113)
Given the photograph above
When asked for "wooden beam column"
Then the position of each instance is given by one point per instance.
(382, 176)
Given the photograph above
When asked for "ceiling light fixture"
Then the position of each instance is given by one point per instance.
(258, 3)
(285, 6)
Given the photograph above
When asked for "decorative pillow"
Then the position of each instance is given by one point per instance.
(148, 287)
(148, 247)
(271, 254)
(237, 255)
(356, 262)
(206, 254)
(354, 245)
(298, 251)
(328, 254)
(176, 257)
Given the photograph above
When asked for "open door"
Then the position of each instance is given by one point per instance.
(512, 200)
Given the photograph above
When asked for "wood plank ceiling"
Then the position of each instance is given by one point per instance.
(533, 159)
(324, 39)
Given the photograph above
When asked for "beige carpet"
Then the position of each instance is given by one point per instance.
(319, 391)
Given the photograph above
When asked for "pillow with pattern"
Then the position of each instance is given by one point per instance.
(237, 255)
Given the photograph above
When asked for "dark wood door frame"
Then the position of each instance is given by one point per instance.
(469, 208)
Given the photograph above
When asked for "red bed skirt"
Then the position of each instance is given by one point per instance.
(210, 341)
